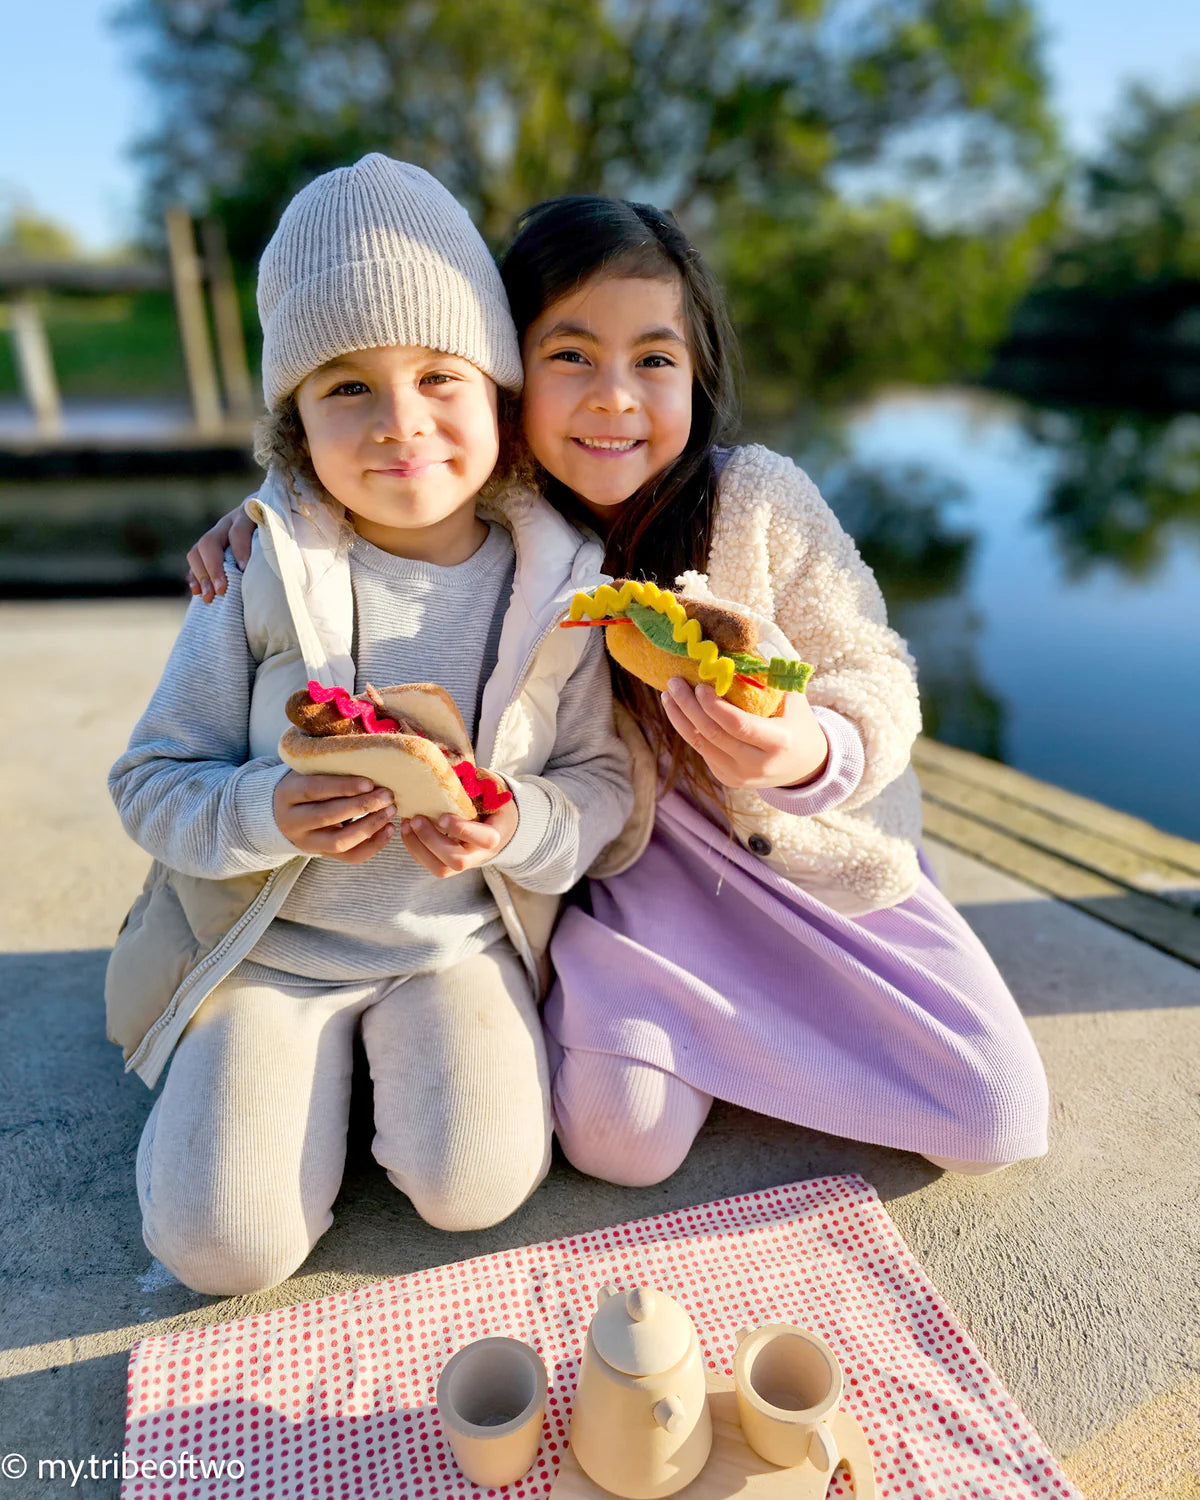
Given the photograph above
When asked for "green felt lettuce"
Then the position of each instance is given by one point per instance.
(780, 673)
(788, 676)
(657, 629)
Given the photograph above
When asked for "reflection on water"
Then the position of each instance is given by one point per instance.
(1126, 489)
(1044, 567)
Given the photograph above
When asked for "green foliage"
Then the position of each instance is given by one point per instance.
(26, 235)
(745, 118)
(1140, 215)
(108, 347)
(852, 295)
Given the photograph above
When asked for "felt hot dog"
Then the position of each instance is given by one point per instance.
(657, 635)
(410, 738)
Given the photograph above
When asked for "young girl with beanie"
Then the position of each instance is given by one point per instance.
(780, 942)
(281, 916)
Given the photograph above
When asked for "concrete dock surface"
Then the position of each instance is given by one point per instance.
(1078, 1276)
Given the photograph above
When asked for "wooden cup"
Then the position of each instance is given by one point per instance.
(491, 1398)
(788, 1383)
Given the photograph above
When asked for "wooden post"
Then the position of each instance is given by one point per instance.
(36, 365)
(227, 319)
(193, 322)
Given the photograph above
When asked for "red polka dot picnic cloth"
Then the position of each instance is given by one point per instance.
(334, 1398)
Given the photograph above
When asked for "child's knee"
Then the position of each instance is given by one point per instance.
(625, 1122)
(970, 1168)
(1004, 1114)
(472, 1178)
(223, 1260)
(226, 1237)
(639, 1162)
(464, 1195)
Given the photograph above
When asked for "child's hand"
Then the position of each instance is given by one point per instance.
(338, 817)
(744, 750)
(453, 844)
(206, 560)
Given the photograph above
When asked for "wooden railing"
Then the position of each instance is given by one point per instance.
(217, 402)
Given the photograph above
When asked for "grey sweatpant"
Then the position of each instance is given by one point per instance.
(242, 1155)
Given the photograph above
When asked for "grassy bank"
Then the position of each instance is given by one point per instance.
(111, 348)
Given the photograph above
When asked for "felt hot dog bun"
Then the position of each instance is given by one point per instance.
(410, 738)
(631, 650)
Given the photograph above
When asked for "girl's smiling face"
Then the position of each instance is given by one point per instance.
(608, 387)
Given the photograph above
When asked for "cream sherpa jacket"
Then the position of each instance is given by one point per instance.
(778, 551)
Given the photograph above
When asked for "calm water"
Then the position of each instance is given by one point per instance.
(1045, 569)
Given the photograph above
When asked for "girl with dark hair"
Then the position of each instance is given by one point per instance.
(777, 941)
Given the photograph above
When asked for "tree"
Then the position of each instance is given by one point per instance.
(1139, 215)
(26, 235)
(781, 131)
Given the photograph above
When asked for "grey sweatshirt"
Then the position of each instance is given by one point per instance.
(189, 794)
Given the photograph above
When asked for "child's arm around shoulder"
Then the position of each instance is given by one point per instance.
(583, 796)
(186, 789)
(774, 532)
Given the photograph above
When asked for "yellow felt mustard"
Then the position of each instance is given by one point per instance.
(712, 666)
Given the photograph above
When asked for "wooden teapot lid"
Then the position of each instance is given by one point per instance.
(640, 1332)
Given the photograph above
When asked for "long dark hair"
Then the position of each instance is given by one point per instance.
(665, 527)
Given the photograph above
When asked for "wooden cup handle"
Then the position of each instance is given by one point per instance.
(822, 1450)
(856, 1453)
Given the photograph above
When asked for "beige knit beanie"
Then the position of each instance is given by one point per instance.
(373, 254)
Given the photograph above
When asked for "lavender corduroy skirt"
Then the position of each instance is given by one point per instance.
(894, 1028)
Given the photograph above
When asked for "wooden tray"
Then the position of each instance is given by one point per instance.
(733, 1467)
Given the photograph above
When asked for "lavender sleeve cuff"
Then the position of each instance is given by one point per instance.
(841, 776)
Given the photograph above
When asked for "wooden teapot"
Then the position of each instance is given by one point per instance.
(641, 1426)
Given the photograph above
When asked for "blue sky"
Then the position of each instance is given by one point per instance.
(71, 101)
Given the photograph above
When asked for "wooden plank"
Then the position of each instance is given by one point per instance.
(151, 455)
(1156, 922)
(1113, 858)
(227, 320)
(1069, 806)
(77, 276)
(193, 320)
(36, 365)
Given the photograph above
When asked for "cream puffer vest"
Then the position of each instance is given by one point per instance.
(184, 934)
